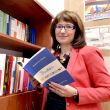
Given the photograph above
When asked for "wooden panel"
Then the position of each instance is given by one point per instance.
(22, 103)
(13, 101)
(75, 5)
(38, 98)
(106, 106)
(105, 52)
(4, 103)
(30, 100)
(78, 6)
(24, 10)
(10, 43)
(97, 23)
(43, 37)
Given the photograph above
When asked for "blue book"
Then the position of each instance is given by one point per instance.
(30, 87)
(32, 35)
(45, 67)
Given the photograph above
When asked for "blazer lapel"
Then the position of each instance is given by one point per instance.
(73, 57)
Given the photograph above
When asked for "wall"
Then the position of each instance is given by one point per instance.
(53, 6)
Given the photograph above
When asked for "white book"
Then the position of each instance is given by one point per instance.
(2, 72)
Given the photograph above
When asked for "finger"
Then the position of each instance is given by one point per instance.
(56, 91)
(56, 85)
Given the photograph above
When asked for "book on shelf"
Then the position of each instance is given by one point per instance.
(45, 67)
(3, 22)
(2, 71)
(13, 78)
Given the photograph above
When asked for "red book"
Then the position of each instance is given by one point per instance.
(25, 81)
(10, 72)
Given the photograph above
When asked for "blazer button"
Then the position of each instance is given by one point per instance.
(67, 104)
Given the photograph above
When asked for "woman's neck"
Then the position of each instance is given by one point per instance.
(65, 50)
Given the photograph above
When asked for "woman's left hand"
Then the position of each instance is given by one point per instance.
(63, 91)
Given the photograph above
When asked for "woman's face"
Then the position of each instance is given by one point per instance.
(65, 32)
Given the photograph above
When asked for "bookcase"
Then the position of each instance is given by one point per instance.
(35, 15)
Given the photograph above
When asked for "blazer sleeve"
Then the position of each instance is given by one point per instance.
(99, 76)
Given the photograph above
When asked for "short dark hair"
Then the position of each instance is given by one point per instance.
(69, 16)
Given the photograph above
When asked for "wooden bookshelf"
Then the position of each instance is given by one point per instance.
(7, 42)
(35, 15)
(30, 100)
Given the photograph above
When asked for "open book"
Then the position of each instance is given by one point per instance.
(45, 67)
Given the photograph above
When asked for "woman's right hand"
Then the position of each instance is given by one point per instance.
(34, 82)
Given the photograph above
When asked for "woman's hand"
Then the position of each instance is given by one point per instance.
(63, 91)
(34, 82)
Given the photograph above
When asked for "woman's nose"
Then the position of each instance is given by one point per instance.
(63, 30)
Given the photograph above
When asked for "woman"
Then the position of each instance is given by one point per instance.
(84, 63)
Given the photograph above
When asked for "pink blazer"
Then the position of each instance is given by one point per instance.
(86, 66)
